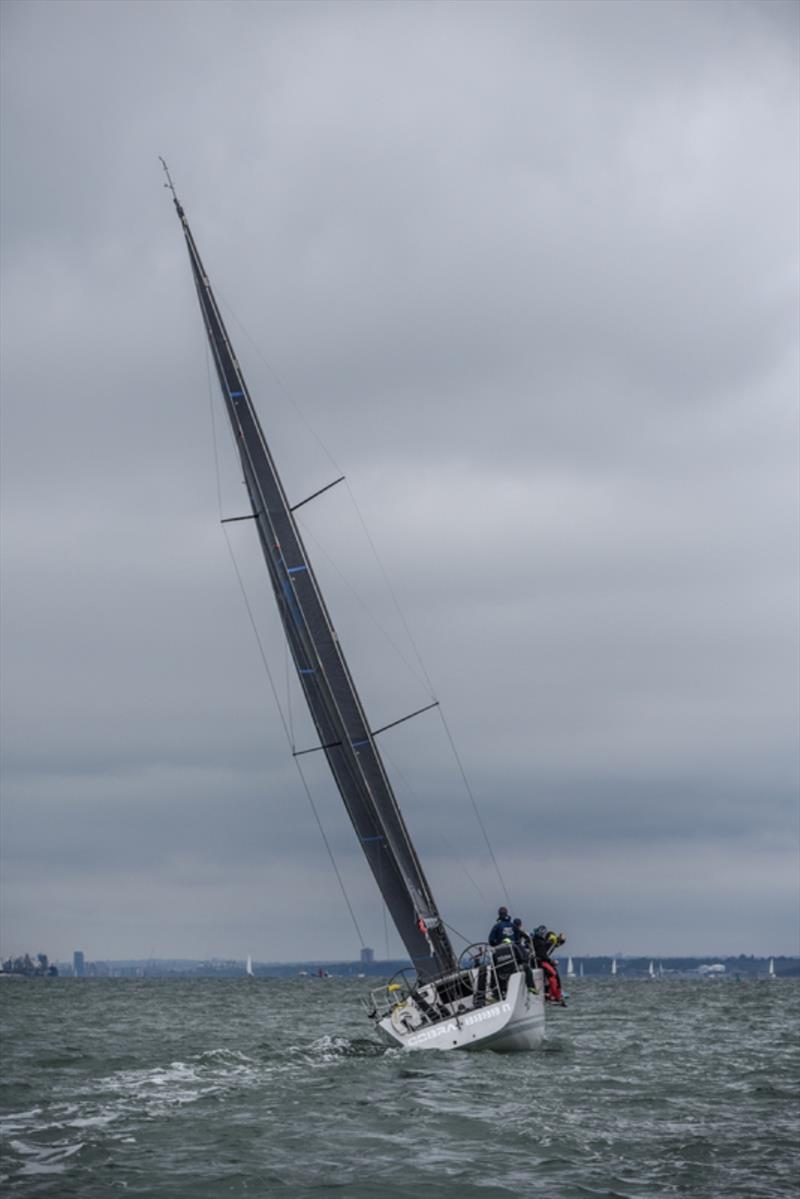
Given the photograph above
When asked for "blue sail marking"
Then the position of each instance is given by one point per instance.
(291, 602)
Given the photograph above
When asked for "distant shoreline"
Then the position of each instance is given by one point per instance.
(594, 967)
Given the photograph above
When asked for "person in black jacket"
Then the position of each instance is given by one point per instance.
(522, 938)
(503, 927)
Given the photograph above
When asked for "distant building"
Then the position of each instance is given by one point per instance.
(78, 964)
(367, 956)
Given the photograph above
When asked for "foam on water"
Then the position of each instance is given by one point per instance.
(204, 1089)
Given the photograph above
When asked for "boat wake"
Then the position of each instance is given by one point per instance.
(332, 1048)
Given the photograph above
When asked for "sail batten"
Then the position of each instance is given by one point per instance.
(328, 688)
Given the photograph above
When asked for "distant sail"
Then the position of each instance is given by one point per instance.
(249, 966)
(613, 966)
(651, 970)
(570, 968)
(772, 973)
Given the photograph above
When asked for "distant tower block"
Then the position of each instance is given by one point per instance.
(78, 964)
(367, 956)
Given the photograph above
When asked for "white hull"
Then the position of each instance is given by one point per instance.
(512, 1024)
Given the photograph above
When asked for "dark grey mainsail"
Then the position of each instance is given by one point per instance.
(333, 701)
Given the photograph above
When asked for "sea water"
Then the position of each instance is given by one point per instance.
(260, 1088)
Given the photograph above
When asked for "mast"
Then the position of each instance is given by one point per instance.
(335, 707)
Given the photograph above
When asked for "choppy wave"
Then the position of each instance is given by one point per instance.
(207, 1089)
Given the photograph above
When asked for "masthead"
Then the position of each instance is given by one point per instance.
(171, 186)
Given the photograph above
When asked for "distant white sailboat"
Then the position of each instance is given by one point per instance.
(651, 970)
(249, 966)
(771, 972)
(613, 967)
(570, 968)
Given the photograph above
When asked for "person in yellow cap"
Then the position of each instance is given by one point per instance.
(544, 943)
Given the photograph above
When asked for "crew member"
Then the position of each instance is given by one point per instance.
(522, 938)
(507, 959)
(503, 927)
(544, 943)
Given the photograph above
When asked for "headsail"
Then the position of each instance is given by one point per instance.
(344, 734)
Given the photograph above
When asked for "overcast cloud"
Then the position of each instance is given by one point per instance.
(529, 272)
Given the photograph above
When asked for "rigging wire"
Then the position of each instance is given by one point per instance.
(423, 668)
(287, 666)
(444, 839)
(475, 807)
(450, 929)
(259, 643)
(282, 386)
(389, 795)
(391, 590)
(309, 535)
(428, 682)
(425, 679)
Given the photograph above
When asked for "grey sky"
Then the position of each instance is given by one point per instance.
(530, 272)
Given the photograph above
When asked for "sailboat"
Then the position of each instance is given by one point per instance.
(771, 971)
(248, 969)
(651, 970)
(445, 1001)
(570, 968)
(613, 967)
